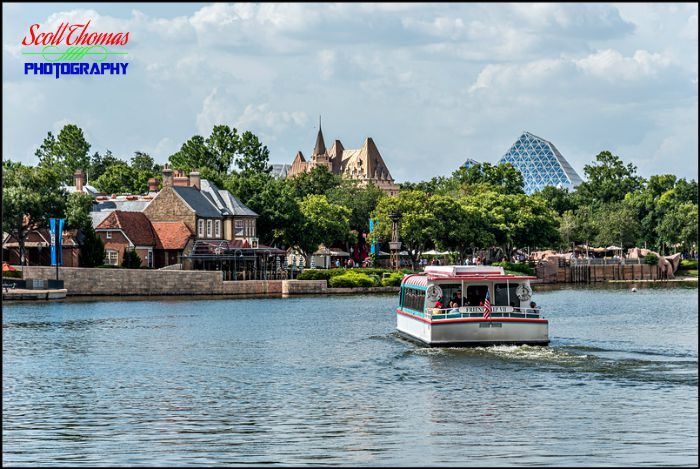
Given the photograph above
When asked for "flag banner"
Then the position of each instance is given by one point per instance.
(59, 241)
(487, 306)
(52, 234)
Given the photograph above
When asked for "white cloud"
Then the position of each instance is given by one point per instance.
(612, 65)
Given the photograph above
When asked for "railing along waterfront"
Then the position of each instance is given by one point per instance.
(599, 261)
(478, 312)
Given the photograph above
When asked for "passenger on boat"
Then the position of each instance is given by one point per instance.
(438, 303)
(533, 307)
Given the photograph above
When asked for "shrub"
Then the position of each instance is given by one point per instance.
(131, 260)
(376, 280)
(351, 279)
(314, 274)
(393, 280)
(520, 268)
(651, 259)
(12, 274)
(687, 264)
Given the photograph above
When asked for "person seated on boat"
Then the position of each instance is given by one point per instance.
(461, 301)
(439, 304)
(533, 308)
(454, 304)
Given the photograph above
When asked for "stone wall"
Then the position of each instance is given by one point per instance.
(551, 272)
(114, 282)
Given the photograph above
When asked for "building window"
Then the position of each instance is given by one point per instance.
(149, 258)
(217, 229)
(208, 228)
(239, 227)
(200, 228)
(111, 257)
(109, 235)
(252, 224)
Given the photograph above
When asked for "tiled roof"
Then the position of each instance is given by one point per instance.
(226, 202)
(135, 225)
(198, 202)
(171, 235)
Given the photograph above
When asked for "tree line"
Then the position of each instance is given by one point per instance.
(482, 206)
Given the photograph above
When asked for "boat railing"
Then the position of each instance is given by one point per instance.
(478, 312)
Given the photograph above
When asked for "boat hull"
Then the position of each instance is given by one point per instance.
(473, 332)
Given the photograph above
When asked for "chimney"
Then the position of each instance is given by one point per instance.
(167, 176)
(181, 181)
(153, 185)
(79, 179)
(195, 180)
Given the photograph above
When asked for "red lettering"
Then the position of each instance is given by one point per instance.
(31, 33)
(70, 34)
(125, 40)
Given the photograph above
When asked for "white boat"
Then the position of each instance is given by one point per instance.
(508, 317)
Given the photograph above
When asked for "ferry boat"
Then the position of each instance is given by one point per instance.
(489, 307)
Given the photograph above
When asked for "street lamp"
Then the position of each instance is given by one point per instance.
(395, 244)
(235, 263)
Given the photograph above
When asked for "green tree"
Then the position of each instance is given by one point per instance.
(253, 156)
(117, 179)
(30, 196)
(324, 222)
(503, 177)
(99, 163)
(92, 249)
(360, 200)
(680, 225)
(224, 144)
(458, 226)
(78, 209)
(65, 153)
(194, 155)
(318, 181)
(609, 180)
(556, 198)
(131, 259)
(617, 224)
(416, 226)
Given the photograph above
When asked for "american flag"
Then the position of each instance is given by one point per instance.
(487, 306)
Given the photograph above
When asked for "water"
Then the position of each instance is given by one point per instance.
(314, 380)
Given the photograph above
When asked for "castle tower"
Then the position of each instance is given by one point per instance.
(319, 156)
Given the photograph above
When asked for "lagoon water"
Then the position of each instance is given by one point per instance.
(326, 381)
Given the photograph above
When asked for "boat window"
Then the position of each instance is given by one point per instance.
(476, 295)
(414, 299)
(449, 291)
(501, 294)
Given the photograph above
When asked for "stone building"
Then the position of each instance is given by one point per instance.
(364, 164)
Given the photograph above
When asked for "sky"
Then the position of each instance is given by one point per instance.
(432, 84)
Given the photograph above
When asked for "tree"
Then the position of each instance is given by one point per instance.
(117, 179)
(65, 153)
(556, 198)
(223, 144)
(437, 185)
(30, 196)
(680, 225)
(459, 226)
(143, 162)
(131, 259)
(253, 156)
(99, 163)
(503, 177)
(78, 211)
(617, 223)
(92, 250)
(324, 222)
(318, 181)
(416, 226)
(609, 180)
(194, 155)
(360, 200)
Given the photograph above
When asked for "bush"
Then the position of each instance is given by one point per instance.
(351, 279)
(520, 268)
(393, 280)
(12, 274)
(131, 260)
(315, 274)
(688, 264)
(651, 259)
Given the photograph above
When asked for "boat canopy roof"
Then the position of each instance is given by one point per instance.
(469, 273)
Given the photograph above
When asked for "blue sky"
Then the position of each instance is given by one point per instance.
(432, 84)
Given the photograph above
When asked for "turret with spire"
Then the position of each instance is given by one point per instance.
(319, 157)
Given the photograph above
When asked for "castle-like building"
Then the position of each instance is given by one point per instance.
(364, 164)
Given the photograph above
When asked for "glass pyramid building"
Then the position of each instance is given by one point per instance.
(541, 164)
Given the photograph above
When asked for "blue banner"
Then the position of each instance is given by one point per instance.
(373, 248)
(56, 232)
